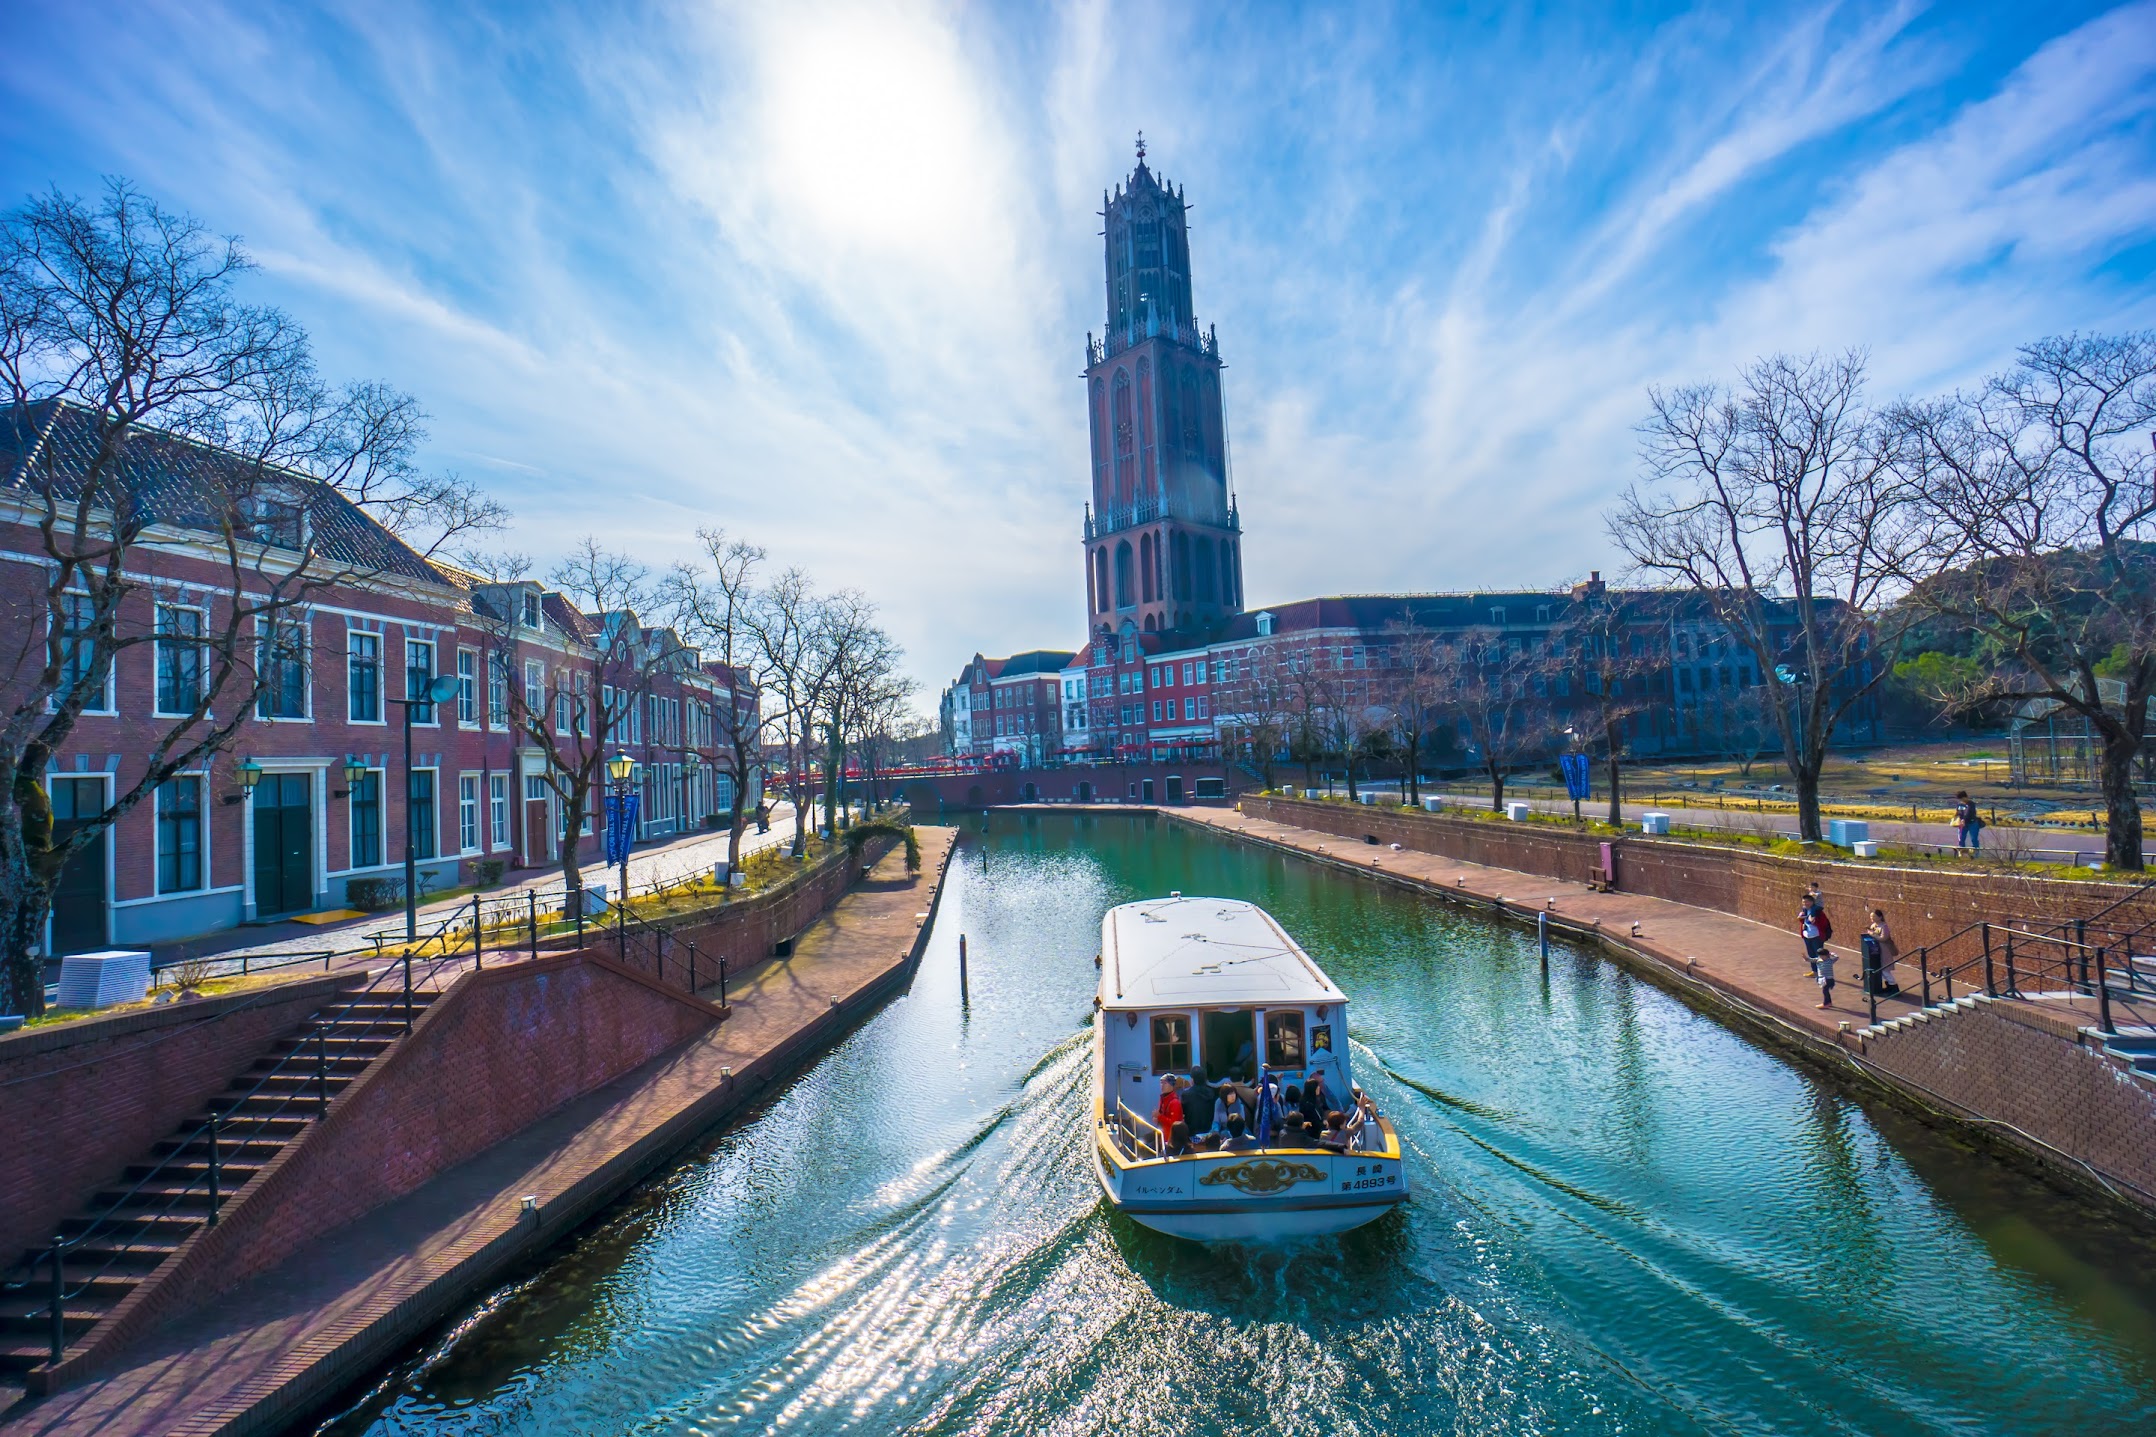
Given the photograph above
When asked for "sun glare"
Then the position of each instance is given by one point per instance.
(872, 128)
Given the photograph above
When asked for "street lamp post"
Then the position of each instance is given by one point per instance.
(622, 770)
(440, 690)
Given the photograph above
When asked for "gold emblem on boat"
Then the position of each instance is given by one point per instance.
(1262, 1177)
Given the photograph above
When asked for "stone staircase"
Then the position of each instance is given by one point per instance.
(2133, 1047)
(128, 1230)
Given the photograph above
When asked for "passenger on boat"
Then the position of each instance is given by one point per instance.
(1361, 1123)
(1179, 1140)
(1197, 1103)
(1316, 1102)
(1228, 1109)
(1170, 1110)
(1239, 1139)
(1333, 1137)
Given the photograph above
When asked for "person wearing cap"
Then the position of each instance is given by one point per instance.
(1170, 1110)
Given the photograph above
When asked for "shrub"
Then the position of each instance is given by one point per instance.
(486, 872)
(372, 895)
(861, 833)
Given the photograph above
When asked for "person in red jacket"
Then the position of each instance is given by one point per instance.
(1170, 1111)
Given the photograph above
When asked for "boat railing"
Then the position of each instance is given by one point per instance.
(1139, 1137)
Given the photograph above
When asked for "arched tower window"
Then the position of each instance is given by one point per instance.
(1099, 416)
(1125, 462)
(1148, 447)
(1100, 578)
(1125, 577)
(1181, 563)
(1208, 590)
(1228, 594)
(1145, 565)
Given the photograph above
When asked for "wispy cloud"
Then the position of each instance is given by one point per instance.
(820, 272)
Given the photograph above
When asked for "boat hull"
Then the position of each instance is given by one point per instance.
(1298, 1194)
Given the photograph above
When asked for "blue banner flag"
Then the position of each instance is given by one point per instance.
(1575, 766)
(620, 825)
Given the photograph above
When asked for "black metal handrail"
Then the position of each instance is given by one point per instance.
(2014, 961)
(658, 936)
(122, 1209)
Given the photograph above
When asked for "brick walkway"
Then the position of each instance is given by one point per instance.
(266, 1352)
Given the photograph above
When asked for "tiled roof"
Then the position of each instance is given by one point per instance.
(1034, 661)
(187, 484)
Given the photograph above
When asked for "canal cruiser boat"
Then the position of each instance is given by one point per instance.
(1214, 990)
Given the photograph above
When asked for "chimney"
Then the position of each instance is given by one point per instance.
(1592, 589)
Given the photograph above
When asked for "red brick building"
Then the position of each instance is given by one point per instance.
(323, 744)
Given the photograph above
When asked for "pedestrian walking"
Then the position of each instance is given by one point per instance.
(1880, 951)
(1823, 970)
(1968, 824)
(1814, 926)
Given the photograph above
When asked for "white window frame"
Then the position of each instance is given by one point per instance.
(202, 834)
(500, 831)
(434, 711)
(306, 665)
(468, 803)
(535, 690)
(157, 662)
(381, 699)
(468, 687)
(351, 826)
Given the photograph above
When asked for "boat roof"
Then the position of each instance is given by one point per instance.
(1179, 952)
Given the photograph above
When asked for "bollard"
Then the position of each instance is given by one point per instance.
(1991, 985)
(2103, 992)
(407, 989)
(531, 911)
(961, 967)
(1542, 932)
(478, 944)
(321, 1071)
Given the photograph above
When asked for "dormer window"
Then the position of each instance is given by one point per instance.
(1265, 626)
(275, 519)
(531, 610)
(1497, 615)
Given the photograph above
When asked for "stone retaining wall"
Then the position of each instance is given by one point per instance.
(2074, 1100)
(1924, 905)
(499, 1049)
(81, 1100)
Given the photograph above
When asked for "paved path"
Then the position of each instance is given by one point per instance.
(659, 861)
(243, 1364)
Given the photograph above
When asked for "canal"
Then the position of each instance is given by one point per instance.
(1626, 1219)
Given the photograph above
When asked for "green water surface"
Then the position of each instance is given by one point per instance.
(1626, 1219)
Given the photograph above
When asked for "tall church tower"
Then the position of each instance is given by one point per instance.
(1163, 541)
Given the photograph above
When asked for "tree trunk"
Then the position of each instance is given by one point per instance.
(1616, 792)
(1351, 776)
(1808, 803)
(1414, 779)
(22, 929)
(1497, 789)
(572, 824)
(2122, 811)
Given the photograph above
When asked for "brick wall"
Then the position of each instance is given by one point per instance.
(80, 1101)
(497, 1051)
(1923, 905)
(1110, 783)
(2078, 1101)
(747, 930)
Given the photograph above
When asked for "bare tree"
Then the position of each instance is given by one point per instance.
(1619, 663)
(1487, 678)
(715, 609)
(1780, 503)
(862, 663)
(1257, 702)
(789, 622)
(1415, 688)
(147, 409)
(582, 698)
(2041, 490)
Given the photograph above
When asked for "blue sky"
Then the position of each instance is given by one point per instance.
(822, 274)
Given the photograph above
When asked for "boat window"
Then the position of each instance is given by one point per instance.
(1171, 1043)
(1284, 1038)
(1230, 1048)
